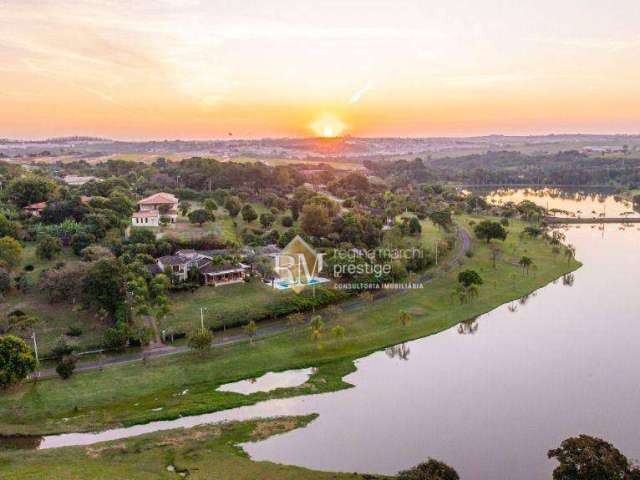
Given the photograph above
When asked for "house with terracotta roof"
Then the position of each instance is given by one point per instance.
(153, 209)
(35, 209)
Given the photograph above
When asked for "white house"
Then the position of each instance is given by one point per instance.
(155, 208)
(78, 180)
(149, 218)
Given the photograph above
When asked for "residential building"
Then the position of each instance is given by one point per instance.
(225, 274)
(214, 273)
(76, 180)
(35, 209)
(153, 209)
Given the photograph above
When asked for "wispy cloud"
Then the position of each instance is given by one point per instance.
(357, 95)
(594, 43)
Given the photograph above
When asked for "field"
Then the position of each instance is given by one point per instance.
(228, 301)
(55, 319)
(209, 451)
(128, 394)
(225, 227)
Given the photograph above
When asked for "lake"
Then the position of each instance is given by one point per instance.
(488, 397)
(574, 202)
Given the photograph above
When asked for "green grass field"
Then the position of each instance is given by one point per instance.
(204, 452)
(127, 394)
(228, 301)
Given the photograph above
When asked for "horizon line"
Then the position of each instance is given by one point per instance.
(338, 137)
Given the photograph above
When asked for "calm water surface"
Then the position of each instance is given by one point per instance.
(492, 397)
(575, 203)
(269, 381)
(489, 397)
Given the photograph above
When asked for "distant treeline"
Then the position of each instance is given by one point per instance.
(510, 167)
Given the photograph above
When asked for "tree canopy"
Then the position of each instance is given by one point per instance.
(16, 360)
(590, 458)
(488, 230)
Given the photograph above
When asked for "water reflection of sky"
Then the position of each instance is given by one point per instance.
(490, 400)
(579, 203)
(268, 382)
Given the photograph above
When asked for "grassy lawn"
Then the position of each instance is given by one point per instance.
(208, 451)
(430, 232)
(126, 394)
(55, 319)
(228, 301)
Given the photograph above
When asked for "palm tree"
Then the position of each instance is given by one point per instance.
(525, 262)
(316, 325)
(472, 292)
(338, 332)
(404, 318)
(316, 335)
(570, 253)
(251, 328)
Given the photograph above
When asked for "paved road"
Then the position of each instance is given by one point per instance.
(266, 329)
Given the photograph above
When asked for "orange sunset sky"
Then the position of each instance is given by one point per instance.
(200, 69)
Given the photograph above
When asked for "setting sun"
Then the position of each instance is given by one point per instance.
(328, 126)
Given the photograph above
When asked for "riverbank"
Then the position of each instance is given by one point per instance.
(185, 384)
(168, 454)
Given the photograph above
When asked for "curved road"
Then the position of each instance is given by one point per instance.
(266, 328)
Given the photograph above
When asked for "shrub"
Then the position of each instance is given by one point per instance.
(80, 241)
(115, 338)
(201, 340)
(74, 331)
(48, 247)
(286, 221)
(5, 280)
(62, 348)
(66, 366)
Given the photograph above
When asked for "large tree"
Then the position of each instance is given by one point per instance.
(29, 189)
(488, 230)
(590, 458)
(469, 277)
(248, 213)
(314, 220)
(430, 470)
(232, 205)
(7, 227)
(201, 216)
(48, 247)
(104, 285)
(10, 253)
(16, 360)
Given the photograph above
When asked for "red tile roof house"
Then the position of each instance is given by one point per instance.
(154, 208)
(35, 209)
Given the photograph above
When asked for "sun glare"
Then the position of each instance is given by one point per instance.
(328, 126)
